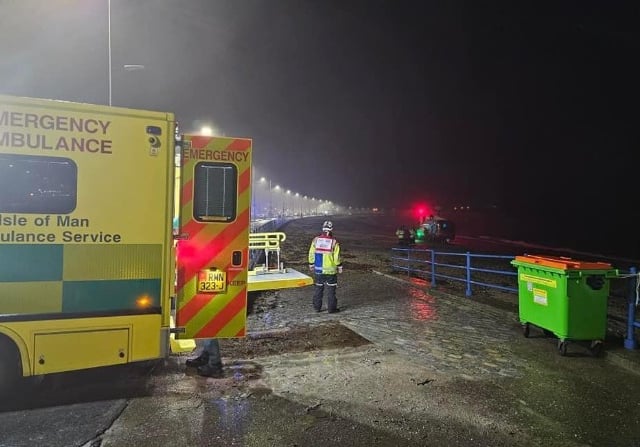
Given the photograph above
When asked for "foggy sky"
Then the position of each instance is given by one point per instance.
(368, 102)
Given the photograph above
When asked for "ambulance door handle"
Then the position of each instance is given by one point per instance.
(181, 237)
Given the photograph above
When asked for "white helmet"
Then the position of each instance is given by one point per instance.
(327, 226)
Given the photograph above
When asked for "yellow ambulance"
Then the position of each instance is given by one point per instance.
(89, 273)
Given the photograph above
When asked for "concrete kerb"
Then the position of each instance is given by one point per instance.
(618, 356)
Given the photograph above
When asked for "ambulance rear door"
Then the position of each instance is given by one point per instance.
(212, 250)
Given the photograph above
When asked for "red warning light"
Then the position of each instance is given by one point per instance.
(421, 212)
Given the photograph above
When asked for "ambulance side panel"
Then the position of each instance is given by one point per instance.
(85, 233)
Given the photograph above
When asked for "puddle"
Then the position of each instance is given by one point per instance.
(302, 338)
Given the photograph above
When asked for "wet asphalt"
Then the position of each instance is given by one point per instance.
(557, 400)
(441, 369)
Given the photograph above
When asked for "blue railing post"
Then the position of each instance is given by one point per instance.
(433, 268)
(630, 341)
(468, 293)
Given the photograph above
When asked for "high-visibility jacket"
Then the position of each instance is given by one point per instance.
(324, 254)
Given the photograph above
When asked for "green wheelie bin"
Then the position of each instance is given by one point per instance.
(565, 297)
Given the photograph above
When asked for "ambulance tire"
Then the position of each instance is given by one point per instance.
(9, 366)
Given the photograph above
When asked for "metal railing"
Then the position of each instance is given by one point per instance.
(266, 244)
(632, 303)
(266, 225)
(431, 264)
(262, 226)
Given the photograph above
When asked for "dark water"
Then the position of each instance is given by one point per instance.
(606, 235)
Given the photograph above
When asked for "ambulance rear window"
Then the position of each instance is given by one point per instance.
(35, 184)
(215, 192)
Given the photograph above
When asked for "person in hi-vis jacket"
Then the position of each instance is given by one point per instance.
(324, 261)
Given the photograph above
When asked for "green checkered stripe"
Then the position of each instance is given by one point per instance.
(60, 278)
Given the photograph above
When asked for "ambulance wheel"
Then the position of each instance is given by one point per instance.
(9, 366)
(596, 348)
(525, 329)
(562, 347)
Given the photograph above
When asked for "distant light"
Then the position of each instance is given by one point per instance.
(206, 131)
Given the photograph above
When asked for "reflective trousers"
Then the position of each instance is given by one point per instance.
(331, 282)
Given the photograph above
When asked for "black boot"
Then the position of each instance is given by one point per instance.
(214, 371)
(201, 360)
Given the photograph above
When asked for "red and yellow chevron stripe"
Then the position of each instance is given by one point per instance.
(210, 245)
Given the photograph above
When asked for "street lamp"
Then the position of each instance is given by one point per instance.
(109, 44)
(277, 187)
(264, 180)
(283, 201)
(253, 194)
(127, 67)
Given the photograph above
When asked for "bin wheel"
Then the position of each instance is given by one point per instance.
(525, 329)
(596, 348)
(562, 347)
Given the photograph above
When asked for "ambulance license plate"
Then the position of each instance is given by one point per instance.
(212, 281)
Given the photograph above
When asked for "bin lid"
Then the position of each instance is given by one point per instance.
(563, 263)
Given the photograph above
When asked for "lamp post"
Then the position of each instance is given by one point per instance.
(109, 44)
(264, 180)
(287, 201)
(277, 187)
(127, 67)
(253, 194)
